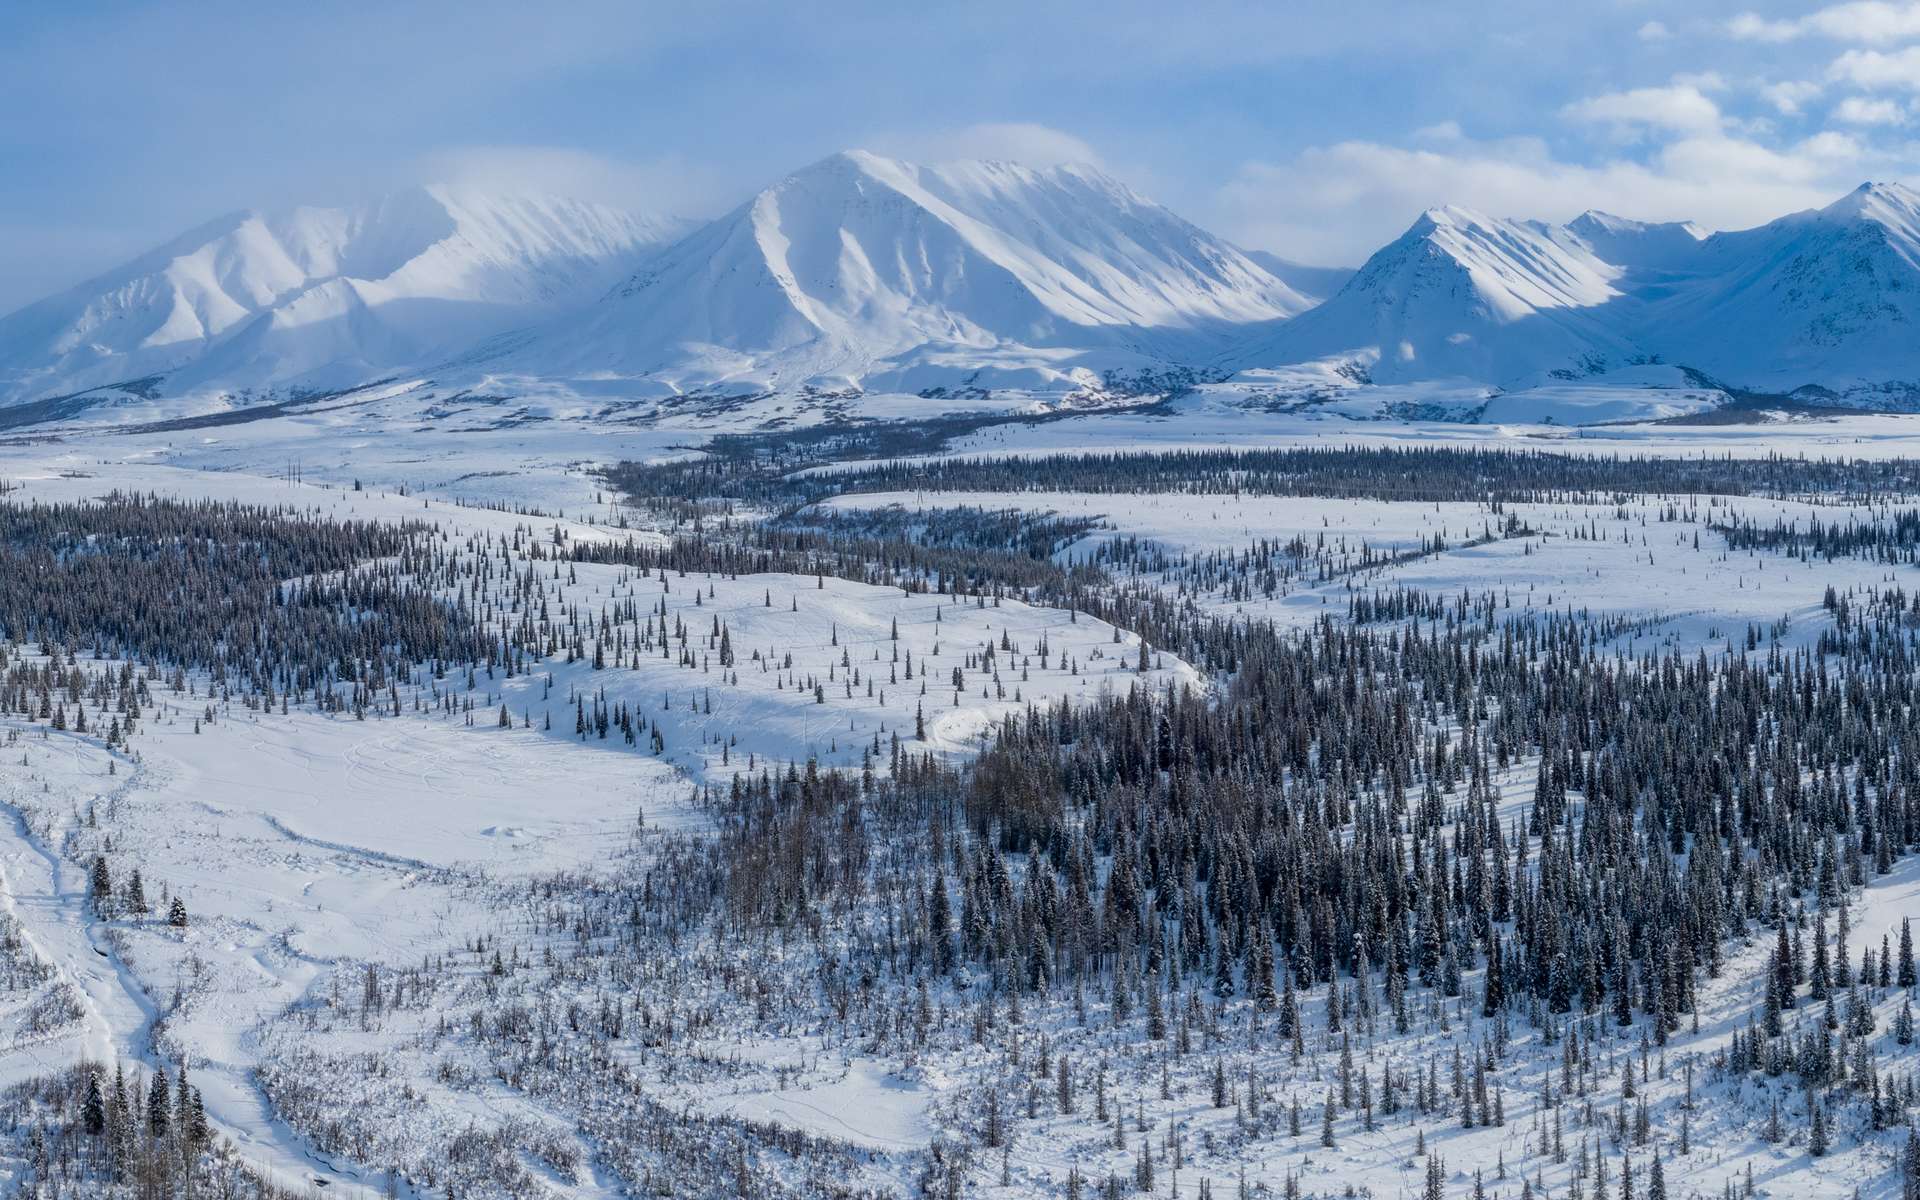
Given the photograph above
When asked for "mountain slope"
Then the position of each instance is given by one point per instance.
(1639, 247)
(1461, 294)
(1824, 303)
(1828, 298)
(320, 295)
(1315, 283)
(866, 271)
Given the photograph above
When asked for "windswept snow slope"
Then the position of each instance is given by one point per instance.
(1827, 298)
(1463, 294)
(323, 296)
(866, 271)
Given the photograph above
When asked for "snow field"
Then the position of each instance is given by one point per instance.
(818, 671)
(1632, 560)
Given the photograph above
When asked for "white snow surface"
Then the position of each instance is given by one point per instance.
(1818, 303)
(322, 296)
(308, 847)
(864, 271)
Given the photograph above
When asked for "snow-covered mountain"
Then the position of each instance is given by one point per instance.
(866, 271)
(322, 295)
(1461, 294)
(1315, 283)
(1824, 303)
(1641, 248)
(1828, 298)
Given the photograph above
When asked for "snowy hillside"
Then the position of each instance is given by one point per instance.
(1820, 303)
(1315, 283)
(1827, 298)
(865, 271)
(1467, 295)
(323, 296)
(1639, 247)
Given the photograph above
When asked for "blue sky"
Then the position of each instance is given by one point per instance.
(1317, 130)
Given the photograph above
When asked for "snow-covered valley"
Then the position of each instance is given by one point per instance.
(608, 601)
(589, 911)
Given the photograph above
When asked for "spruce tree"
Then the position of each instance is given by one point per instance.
(95, 1115)
(159, 1104)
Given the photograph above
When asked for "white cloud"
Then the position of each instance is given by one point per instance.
(661, 186)
(1831, 149)
(1339, 203)
(1706, 81)
(1655, 31)
(1752, 27)
(1859, 110)
(1874, 69)
(1788, 97)
(1681, 107)
(1024, 142)
(1441, 131)
(1867, 21)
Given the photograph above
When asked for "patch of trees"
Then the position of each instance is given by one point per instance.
(754, 476)
(119, 1134)
(270, 599)
(1891, 539)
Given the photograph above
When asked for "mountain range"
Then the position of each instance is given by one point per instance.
(1823, 304)
(864, 273)
(322, 296)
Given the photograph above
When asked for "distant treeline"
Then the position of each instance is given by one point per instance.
(767, 479)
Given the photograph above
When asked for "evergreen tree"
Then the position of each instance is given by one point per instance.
(95, 1113)
(159, 1104)
(101, 887)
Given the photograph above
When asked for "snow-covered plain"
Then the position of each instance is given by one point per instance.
(308, 844)
(308, 847)
(1651, 560)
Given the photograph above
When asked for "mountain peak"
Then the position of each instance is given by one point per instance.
(980, 172)
(321, 294)
(851, 161)
(1894, 205)
(1596, 221)
(1451, 216)
(864, 270)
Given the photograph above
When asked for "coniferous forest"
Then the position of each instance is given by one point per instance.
(1040, 854)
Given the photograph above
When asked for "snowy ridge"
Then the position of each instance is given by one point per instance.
(1828, 298)
(1636, 245)
(866, 271)
(1315, 283)
(1464, 294)
(861, 275)
(1822, 303)
(321, 295)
